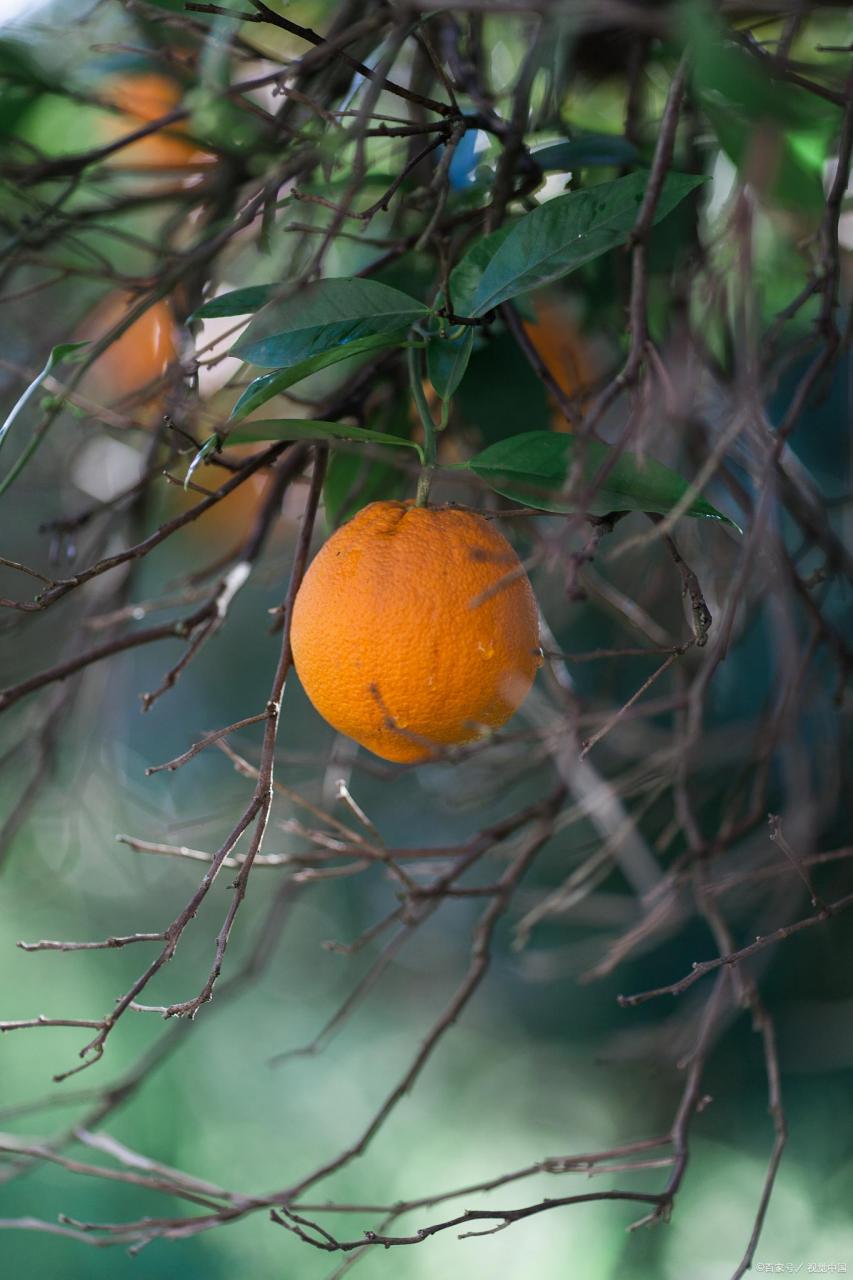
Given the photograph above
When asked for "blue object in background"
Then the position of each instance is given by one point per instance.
(466, 159)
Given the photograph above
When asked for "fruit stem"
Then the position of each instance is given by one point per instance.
(429, 427)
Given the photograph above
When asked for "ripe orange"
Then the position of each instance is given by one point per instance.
(136, 360)
(415, 628)
(141, 98)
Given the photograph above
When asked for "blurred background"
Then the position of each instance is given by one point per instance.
(544, 1062)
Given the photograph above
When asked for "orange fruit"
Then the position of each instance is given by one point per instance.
(560, 343)
(132, 378)
(142, 98)
(139, 358)
(230, 522)
(415, 628)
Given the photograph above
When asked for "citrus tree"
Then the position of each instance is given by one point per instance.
(456, 298)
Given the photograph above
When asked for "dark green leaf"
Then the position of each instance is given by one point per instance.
(500, 393)
(352, 482)
(273, 384)
(739, 79)
(21, 82)
(308, 429)
(239, 302)
(447, 360)
(218, 122)
(590, 151)
(792, 163)
(533, 469)
(560, 236)
(328, 314)
(466, 275)
(353, 479)
(778, 132)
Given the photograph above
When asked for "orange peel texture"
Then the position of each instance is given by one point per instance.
(415, 628)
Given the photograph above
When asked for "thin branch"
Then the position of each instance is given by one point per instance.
(700, 968)
(122, 941)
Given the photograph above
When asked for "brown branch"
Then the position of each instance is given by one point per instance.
(265, 14)
(691, 589)
(613, 720)
(514, 324)
(206, 741)
(380, 205)
(141, 549)
(478, 967)
(24, 1024)
(504, 1217)
(775, 824)
(700, 968)
(264, 789)
(123, 941)
(166, 631)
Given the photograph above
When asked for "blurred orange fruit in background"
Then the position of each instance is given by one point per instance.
(566, 352)
(137, 361)
(141, 98)
(132, 378)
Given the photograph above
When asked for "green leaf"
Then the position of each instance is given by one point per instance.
(57, 355)
(466, 275)
(19, 66)
(327, 314)
(589, 151)
(353, 479)
(219, 123)
(730, 74)
(308, 429)
(21, 82)
(533, 469)
(560, 236)
(791, 163)
(500, 393)
(771, 129)
(273, 384)
(353, 482)
(239, 302)
(211, 445)
(447, 360)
